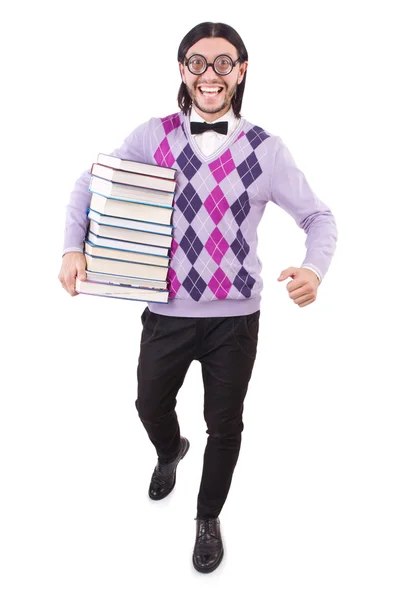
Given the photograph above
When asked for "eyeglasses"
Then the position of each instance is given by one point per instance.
(222, 65)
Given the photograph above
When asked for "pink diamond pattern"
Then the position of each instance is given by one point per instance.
(171, 122)
(216, 246)
(174, 282)
(163, 155)
(216, 204)
(242, 134)
(222, 166)
(174, 247)
(220, 284)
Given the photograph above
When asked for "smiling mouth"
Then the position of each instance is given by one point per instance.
(209, 91)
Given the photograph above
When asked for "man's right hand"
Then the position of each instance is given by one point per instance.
(73, 265)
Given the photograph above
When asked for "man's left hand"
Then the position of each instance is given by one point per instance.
(303, 287)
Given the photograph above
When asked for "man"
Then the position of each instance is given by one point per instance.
(227, 170)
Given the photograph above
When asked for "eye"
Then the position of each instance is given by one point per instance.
(223, 63)
(196, 61)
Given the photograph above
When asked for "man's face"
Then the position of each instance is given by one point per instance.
(211, 93)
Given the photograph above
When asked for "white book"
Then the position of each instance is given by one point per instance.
(95, 249)
(129, 269)
(119, 291)
(122, 191)
(128, 281)
(132, 210)
(163, 242)
(129, 223)
(137, 179)
(135, 167)
(129, 246)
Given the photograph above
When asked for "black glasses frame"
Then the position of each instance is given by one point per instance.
(232, 63)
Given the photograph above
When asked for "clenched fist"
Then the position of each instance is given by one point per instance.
(303, 289)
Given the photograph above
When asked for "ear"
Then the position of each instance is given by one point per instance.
(241, 71)
(182, 71)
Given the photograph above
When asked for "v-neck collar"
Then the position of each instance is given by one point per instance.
(228, 141)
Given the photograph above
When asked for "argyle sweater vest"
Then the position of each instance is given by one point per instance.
(219, 201)
(213, 255)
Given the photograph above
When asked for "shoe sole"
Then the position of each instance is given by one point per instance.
(173, 485)
(203, 570)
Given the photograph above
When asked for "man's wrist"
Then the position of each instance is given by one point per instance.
(314, 271)
(72, 250)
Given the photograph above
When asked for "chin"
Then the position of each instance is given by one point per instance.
(211, 109)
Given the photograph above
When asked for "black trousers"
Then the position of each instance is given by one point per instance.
(226, 348)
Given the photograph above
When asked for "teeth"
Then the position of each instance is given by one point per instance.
(210, 90)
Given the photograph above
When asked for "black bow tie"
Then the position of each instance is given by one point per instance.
(220, 127)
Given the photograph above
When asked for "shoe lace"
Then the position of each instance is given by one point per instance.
(158, 476)
(208, 528)
(207, 541)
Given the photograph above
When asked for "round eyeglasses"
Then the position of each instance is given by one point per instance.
(222, 65)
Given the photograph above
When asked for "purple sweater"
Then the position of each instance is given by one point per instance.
(219, 202)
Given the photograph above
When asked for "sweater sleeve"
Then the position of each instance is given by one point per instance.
(133, 148)
(291, 191)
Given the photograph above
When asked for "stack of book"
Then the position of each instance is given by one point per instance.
(130, 232)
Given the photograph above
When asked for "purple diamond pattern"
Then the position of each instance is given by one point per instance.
(216, 204)
(222, 166)
(163, 155)
(171, 122)
(216, 246)
(256, 136)
(220, 284)
(188, 162)
(174, 282)
(244, 283)
(249, 170)
(194, 284)
(241, 208)
(240, 247)
(191, 244)
(188, 202)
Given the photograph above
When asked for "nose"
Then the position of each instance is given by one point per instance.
(212, 69)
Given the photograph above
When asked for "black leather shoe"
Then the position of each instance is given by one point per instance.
(208, 549)
(164, 475)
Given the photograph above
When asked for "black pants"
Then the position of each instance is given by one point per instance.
(226, 349)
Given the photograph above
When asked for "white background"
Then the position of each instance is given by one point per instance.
(312, 509)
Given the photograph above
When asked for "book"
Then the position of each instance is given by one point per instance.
(135, 179)
(129, 281)
(95, 249)
(122, 191)
(135, 167)
(160, 242)
(129, 269)
(110, 290)
(132, 210)
(129, 223)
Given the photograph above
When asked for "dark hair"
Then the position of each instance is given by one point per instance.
(208, 30)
